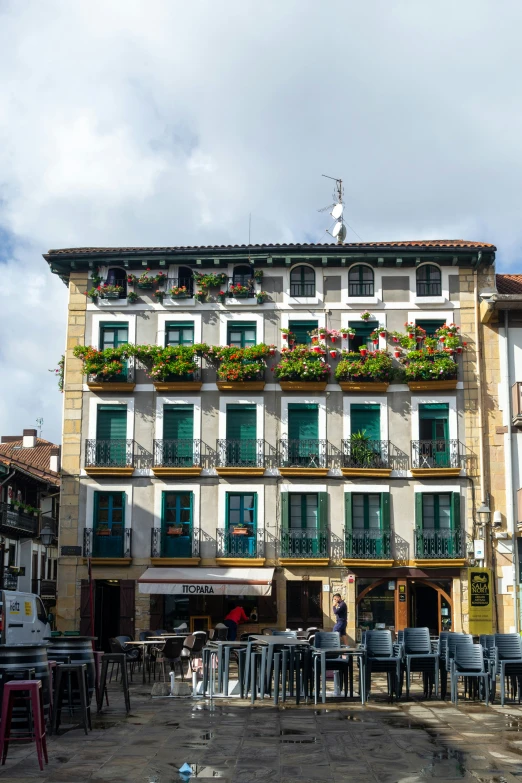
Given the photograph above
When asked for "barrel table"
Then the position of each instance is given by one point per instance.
(75, 649)
(14, 660)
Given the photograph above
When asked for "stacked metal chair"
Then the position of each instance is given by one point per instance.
(383, 656)
(419, 657)
(468, 661)
(507, 664)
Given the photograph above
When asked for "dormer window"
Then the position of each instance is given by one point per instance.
(117, 276)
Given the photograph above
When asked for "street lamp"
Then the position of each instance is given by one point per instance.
(47, 535)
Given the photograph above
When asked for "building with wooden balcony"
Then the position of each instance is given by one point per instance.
(291, 420)
(29, 504)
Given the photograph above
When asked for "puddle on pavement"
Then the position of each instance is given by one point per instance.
(295, 736)
(207, 735)
(446, 754)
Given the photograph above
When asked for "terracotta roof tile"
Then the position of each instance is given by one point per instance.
(34, 460)
(509, 284)
(417, 243)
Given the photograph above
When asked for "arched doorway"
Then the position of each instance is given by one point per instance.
(400, 603)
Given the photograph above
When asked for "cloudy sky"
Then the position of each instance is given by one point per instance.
(156, 122)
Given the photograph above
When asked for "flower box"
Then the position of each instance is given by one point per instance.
(308, 386)
(446, 385)
(146, 284)
(364, 386)
(240, 385)
(112, 295)
(103, 532)
(240, 531)
(175, 531)
(166, 386)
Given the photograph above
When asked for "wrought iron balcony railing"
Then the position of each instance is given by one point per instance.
(117, 453)
(174, 541)
(240, 541)
(181, 282)
(361, 289)
(372, 544)
(247, 453)
(302, 289)
(434, 544)
(435, 454)
(358, 453)
(308, 453)
(305, 543)
(99, 542)
(246, 290)
(125, 376)
(16, 523)
(10, 581)
(431, 288)
(181, 453)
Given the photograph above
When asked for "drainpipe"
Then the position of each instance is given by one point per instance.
(508, 446)
(478, 350)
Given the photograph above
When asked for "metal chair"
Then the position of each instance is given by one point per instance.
(383, 656)
(171, 654)
(329, 640)
(507, 663)
(468, 662)
(293, 634)
(447, 644)
(420, 658)
(192, 647)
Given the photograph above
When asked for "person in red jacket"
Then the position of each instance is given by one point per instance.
(232, 621)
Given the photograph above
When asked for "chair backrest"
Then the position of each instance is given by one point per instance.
(453, 640)
(222, 634)
(293, 634)
(469, 657)
(443, 642)
(327, 640)
(400, 637)
(310, 631)
(115, 645)
(487, 640)
(195, 642)
(508, 646)
(173, 648)
(144, 635)
(417, 641)
(123, 639)
(379, 644)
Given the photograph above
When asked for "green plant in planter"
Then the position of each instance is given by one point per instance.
(240, 291)
(241, 371)
(301, 364)
(211, 280)
(159, 295)
(179, 292)
(431, 343)
(258, 274)
(169, 363)
(376, 366)
(426, 367)
(201, 296)
(105, 291)
(103, 364)
(132, 297)
(261, 297)
(361, 451)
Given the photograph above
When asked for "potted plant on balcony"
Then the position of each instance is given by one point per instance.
(302, 370)
(240, 369)
(436, 371)
(159, 296)
(258, 274)
(175, 530)
(370, 372)
(132, 297)
(105, 291)
(261, 297)
(179, 292)
(102, 530)
(106, 369)
(240, 529)
(240, 291)
(173, 368)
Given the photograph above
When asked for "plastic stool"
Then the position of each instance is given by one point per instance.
(120, 659)
(64, 674)
(34, 689)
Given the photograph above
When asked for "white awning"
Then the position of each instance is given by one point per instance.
(207, 581)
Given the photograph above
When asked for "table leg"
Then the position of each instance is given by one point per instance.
(219, 665)
(323, 675)
(144, 648)
(226, 671)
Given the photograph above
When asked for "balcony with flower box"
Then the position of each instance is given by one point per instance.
(440, 458)
(239, 369)
(365, 458)
(364, 371)
(302, 369)
(106, 545)
(304, 457)
(16, 522)
(430, 362)
(241, 457)
(175, 544)
(369, 548)
(179, 458)
(172, 368)
(235, 544)
(109, 457)
(108, 370)
(179, 292)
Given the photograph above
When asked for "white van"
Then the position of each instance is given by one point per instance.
(23, 619)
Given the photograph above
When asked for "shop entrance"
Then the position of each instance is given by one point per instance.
(303, 604)
(114, 609)
(395, 604)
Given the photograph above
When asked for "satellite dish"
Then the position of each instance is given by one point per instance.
(337, 211)
(336, 228)
(342, 233)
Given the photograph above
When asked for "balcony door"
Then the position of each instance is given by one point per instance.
(241, 524)
(367, 524)
(304, 522)
(241, 443)
(114, 335)
(438, 524)
(303, 435)
(108, 524)
(301, 331)
(176, 524)
(111, 436)
(303, 604)
(434, 435)
(178, 435)
(361, 339)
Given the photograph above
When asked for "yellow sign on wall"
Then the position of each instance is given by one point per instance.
(480, 593)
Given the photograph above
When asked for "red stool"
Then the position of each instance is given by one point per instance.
(34, 689)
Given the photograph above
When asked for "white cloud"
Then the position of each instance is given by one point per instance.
(134, 122)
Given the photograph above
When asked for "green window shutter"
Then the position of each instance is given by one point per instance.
(303, 422)
(430, 327)
(418, 511)
(285, 511)
(242, 335)
(112, 335)
(163, 509)
(179, 333)
(385, 510)
(96, 509)
(241, 422)
(123, 500)
(227, 510)
(111, 422)
(178, 422)
(255, 510)
(434, 410)
(455, 510)
(300, 331)
(348, 517)
(323, 510)
(366, 418)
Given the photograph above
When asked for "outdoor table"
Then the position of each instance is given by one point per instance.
(351, 653)
(223, 670)
(150, 642)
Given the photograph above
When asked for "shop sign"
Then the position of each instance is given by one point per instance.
(480, 599)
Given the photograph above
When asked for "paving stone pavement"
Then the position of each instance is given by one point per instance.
(340, 742)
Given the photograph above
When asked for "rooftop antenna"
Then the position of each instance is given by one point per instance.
(39, 423)
(337, 208)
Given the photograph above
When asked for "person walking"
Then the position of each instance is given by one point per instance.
(232, 621)
(341, 614)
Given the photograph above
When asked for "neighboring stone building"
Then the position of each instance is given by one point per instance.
(272, 490)
(29, 502)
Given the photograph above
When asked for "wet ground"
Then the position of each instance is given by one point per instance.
(410, 742)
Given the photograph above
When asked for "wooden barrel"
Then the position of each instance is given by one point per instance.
(15, 659)
(74, 649)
